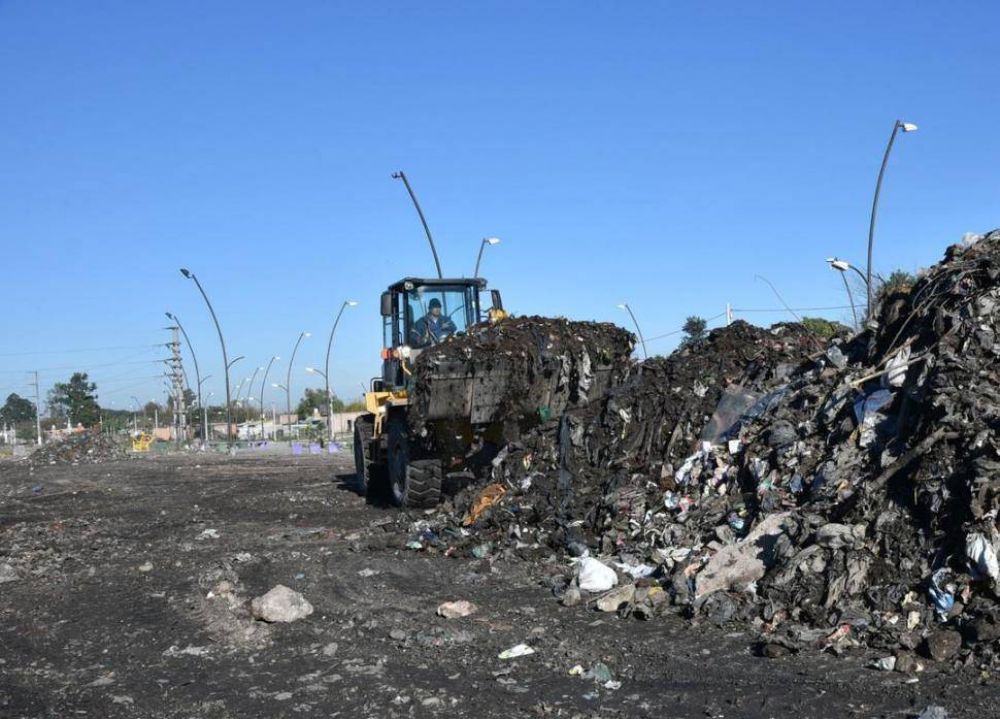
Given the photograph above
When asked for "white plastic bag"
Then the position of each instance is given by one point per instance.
(595, 576)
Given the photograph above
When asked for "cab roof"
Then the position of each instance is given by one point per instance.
(435, 282)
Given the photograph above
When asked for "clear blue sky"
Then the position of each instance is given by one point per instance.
(658, 153)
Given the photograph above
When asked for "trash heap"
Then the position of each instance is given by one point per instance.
(523, 372)
(833, 498)
(81, 448)
(668, 404)
(595, 469)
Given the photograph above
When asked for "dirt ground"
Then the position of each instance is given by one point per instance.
(133, 580)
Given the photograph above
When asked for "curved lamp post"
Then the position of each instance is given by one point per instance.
(624, 306)
(427, 230)
(263, 384)
(482, 246)
(842, 266)
(239, 388)
(197, 373)
(246, 415)
(225, 359)
(326, 372)
(278, 385)
(204, 408)
(897, 126)
(288, 381)
(329, 404)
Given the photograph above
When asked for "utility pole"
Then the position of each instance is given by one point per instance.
(38, 412)
(176, 376)
(729, 314)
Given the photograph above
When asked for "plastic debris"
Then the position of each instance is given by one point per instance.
(457, 610)
(518, 650)
(595, 576)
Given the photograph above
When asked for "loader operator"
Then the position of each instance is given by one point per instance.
(432, 327)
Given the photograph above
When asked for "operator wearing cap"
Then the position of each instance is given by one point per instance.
(432, 327)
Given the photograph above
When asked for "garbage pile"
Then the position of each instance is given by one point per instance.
(523, 371)
(82, 448)
(601, 466)
(667, 405)
(833, 498)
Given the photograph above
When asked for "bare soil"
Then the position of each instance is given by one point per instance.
(134, 580)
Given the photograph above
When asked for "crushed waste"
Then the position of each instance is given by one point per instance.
(829, 493)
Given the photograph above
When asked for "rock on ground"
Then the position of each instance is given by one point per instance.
(281, 604)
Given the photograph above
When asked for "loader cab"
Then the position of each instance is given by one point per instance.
(420, 313)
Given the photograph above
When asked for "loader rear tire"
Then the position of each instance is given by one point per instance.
(370, 479)
(414, 483)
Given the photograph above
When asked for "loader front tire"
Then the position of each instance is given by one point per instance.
(423, 483)
(414, 483)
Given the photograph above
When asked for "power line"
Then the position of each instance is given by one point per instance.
(91, 349)
(88, 368)
(678, 331)
(795, 309)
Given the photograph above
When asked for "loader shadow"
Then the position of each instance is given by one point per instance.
(375, 497)
(347, 482)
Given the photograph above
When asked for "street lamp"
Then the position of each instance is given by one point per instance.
(236, 392)
(326, 373)
(427, 230)
(329, 399)
(624, 306)
(249, 390)
(842, 266)
(896, 127)
(482, 246)
(288, 381)
(263, 384)
(225, 360)
(197, 374)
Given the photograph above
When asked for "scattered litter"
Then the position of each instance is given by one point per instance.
(933, 712)
(489, 496)
(595, 576)
(188, 651)
(518, 650)
(457, 610)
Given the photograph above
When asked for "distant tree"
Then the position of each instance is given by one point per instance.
(898, 281)
(17, 409)
(190, 400)
(356, 405)
(821, 327)
(76, 400)
(312, 399)
(694, 330)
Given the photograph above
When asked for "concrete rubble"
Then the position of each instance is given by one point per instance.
(280, 604)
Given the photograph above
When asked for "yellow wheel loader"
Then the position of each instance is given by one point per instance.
(391, 463)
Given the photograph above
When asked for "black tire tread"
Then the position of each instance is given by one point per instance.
(423, 485)
(364, 428)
